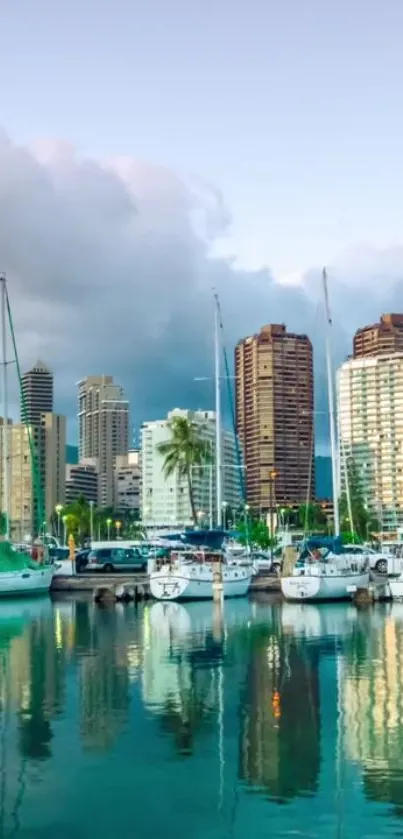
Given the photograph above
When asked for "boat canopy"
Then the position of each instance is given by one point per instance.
(12, 560)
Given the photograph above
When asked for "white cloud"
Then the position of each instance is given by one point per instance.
(111, 265)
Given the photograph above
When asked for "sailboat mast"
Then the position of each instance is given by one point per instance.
(5, 463)
(330, 392)
(218, 449)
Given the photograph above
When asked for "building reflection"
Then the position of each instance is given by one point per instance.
(281, 718)
(178, 671)
(104, 678)
(371, 691)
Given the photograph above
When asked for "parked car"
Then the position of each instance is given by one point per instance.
(116, 559)
(82, 560)
(378, 561)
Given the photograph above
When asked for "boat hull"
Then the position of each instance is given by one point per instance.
(316, 587)
(180, 586)
(28, 582)
(396, 588)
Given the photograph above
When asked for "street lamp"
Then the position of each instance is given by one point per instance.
(64, 520)
(200, 515)
(58, 510)
(272, 477)
(224, 513)
(118, 525)
(108, 525)
(92, 521)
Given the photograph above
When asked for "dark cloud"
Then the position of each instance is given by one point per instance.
(110, 271)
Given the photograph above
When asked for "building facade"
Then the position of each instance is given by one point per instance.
(370, 409)
(165, 500)
(383, 338)
(52, 460)
(103, 418)
(81, 482)
(128, 483)
(274, 416)
(33, 490)
(37, 393)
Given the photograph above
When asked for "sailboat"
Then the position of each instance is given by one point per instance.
(324, 571)
(196, 575)
(19, 574)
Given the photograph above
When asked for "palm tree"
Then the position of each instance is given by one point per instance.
(186, 448)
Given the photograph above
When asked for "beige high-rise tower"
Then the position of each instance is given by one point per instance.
(103, 418)
(274, 416)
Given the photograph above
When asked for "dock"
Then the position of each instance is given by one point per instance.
(139, 583)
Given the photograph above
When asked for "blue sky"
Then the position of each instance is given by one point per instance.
(291, 108)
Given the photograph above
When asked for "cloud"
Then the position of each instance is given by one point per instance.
(111, 265)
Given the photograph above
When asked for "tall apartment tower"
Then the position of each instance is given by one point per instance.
(370, 399)
(381, 338)
(274, 416)
(103, 418)
(165, 500)
(37, 393)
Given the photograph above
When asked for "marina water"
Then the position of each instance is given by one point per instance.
(252, 719)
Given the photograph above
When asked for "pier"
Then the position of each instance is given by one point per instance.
(139, 583)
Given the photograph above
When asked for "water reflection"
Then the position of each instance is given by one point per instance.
(207, 703)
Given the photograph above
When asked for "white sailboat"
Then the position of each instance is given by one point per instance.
(19, 575)
(184, 578)
(324, 571)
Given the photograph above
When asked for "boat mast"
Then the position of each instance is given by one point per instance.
(330, 393)
(5, 459)
(218, 450)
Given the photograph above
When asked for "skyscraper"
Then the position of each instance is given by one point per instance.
(103, 418)
(37, 393)
(165, 500)
(370, 396)
(274, 416)
(380, 338)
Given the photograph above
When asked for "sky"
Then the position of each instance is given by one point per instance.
(150, 151)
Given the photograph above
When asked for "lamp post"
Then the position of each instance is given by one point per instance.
(92, 521)
(200, 515)
(246, 513)
(58, 510)
(272, 478)
(224, 513)
(118, 525)
(64, 520)
(108, 525)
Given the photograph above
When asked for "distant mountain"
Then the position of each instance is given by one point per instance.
(323, 469)
(71, 454)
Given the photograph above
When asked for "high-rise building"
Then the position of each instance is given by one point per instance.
(128, 482)
(37, 393)
(381, 338)
(370, 410)
(81, 482)
(274, 416)
(103, 417)
(165, 500)
(52, 460)
(33, 492)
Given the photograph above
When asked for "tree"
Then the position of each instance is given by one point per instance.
(254, 532)
(185, 450)
(363, 522)
(78, 518)
(312, 517)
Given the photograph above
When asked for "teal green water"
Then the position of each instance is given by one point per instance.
(261, 720)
